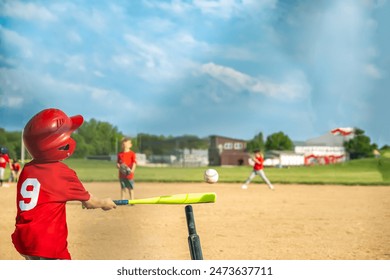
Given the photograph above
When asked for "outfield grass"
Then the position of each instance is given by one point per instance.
(357, 172)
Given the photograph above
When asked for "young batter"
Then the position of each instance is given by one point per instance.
(46, 184)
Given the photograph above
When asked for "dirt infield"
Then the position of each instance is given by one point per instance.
(294, 222)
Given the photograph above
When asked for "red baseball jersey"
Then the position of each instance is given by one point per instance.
(42, 192)
(129, 159)
(15, 166)
(4, 159)
(259, 166)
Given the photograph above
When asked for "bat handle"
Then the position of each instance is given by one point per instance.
(193, 237)
(121, 202)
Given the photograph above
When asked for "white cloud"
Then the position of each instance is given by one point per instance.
(123, 60)
(27, 11)
(157, 25)
(15, 39)
(372, 71)
(109, 98)
(79, 15)
(238, 81)
(11, 102)
(4, 60)
(153, 60)
(237, 53)
(186, 38)
(148, 51)
(225, 9)
(74, 37)
(219, 8)
(98, 74)
(175, 6)
(95, 19)
(229, 8)
(75, 62)
(48, 91)
(374, 3)
(87, 57)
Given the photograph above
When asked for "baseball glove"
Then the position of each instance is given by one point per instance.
(124, 169)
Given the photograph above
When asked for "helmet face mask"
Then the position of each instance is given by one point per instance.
(47, 135)
(64, 148)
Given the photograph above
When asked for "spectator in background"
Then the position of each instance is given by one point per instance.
(15, 170)
(4, 160)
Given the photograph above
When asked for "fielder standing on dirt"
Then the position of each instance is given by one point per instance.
(257, 170)
(4, 160)
(126, 163)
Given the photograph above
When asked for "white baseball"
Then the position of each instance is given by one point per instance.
(211, 176)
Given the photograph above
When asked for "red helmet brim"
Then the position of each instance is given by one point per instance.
(77, 121)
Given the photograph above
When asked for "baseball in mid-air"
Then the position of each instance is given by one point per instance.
(211, 176)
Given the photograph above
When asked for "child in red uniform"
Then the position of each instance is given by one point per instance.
(4, 160)
(15, 171)
(257, 170)
(128, 158)
(46, 184)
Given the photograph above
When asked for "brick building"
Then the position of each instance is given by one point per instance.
(227, 151)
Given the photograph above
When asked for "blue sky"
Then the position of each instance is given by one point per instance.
(226, 67)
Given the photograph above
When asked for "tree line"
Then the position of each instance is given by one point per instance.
(102, 138)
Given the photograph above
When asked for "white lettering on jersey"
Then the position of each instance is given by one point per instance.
(33, 194)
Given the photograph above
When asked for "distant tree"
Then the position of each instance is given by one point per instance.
(256, 143)
(151, 144)
(385, 147)
(191, 142)
(278, 141)
(82, 148)
(12, 141)
(96, 138)
(92, 138)
(165, 145)
(360, 146)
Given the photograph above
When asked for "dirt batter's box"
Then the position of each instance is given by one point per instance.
(190, 198)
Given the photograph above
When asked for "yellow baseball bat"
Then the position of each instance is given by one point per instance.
(189, 198)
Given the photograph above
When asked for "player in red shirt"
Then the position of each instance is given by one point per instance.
(15, 171)
(127, 158)
(4, 160)
(46, 184)
(258, 160)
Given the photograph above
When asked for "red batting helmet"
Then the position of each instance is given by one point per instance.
(47, 135)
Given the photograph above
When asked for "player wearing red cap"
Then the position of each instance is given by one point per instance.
(46, 184)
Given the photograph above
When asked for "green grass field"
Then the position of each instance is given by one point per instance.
(357, 172)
